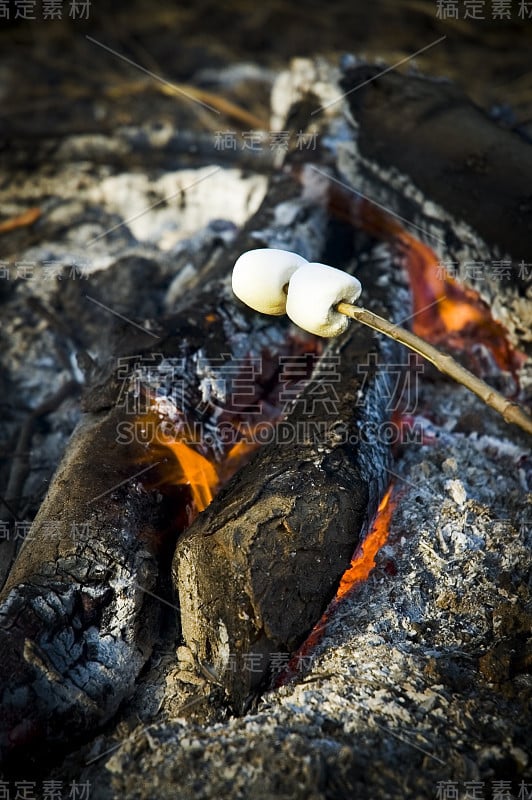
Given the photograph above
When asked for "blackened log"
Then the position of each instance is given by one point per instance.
(373, 718)
(78, 617)
(257, 569)
(451, 149)
(424, 151)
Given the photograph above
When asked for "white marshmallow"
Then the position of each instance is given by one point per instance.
(260, 277)
(314, 292)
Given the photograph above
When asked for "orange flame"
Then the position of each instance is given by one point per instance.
(182, 460)
(362, 565)
(204, 475)
(195, 463)
(443, 309)
(194, 470)
(364, 559)
(446, 311)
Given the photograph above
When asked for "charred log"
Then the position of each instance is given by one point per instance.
(452, 151)
(78, 617)
(428, 154)
(433, 643)
(258, 568)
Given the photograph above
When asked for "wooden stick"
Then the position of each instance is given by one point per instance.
(511, 412)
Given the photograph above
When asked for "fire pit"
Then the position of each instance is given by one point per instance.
(271, 565)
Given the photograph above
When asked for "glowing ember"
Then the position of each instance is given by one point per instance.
(364, 559)
(362, 565)
(235, 430)
(444, 311)
(182, 464)
(237, 456)
(204, 476)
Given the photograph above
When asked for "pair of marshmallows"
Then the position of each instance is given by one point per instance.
(278, 282)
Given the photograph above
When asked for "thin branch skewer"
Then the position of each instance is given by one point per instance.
(511, 412)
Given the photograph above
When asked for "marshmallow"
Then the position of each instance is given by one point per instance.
(260, 277)
(314, 292)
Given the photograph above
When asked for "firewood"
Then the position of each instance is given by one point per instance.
(77, 614)
(458, 181)
(258, 567)
(431, 131)
(93, 591)
(419, 687)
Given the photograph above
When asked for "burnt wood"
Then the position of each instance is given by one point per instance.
(457, 180)
(78, 616)
(431, 131)
(256, 570)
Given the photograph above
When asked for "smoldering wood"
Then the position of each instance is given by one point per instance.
(398, 662)
(391, 674)
(431, 131)
(20, 468)
(426, 152)
(421, 678)
(255, 572)
(78, 616)
(405, 694)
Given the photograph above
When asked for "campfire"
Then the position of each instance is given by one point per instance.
(267, 536)
(454, 316)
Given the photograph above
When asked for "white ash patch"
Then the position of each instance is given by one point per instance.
(305, 76)
(164, 210)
